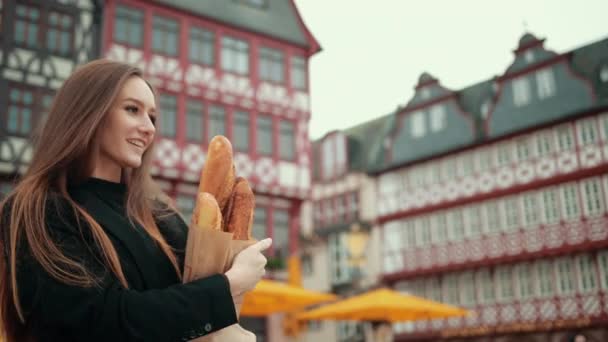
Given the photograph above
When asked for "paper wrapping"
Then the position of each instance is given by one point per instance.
(208, 252)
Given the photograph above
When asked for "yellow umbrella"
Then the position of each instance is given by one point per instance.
(383, 305)
(270, 297)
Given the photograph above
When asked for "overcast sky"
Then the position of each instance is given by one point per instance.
(374, 51)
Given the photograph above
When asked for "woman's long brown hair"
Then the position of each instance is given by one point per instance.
(63, 151)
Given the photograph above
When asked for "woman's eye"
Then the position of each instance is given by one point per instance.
(132, 109)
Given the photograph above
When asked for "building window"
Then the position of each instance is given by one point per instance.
(59, 35)
(353, 205)
(194, 120)
(185, 205)
(511, 213)
(264, 135)
(586, 269)
(504, 154)
(592, 189)
(505, 283)
(241, 131)
(298, 72)
(260, 223)
(531, 210)
(467, 284)
(475, 220)
(333, 156)
(551, 205)
(571, 209)
(493, 217)
(438, 119)
(441, 228)
(202, 46)
(410, 234)
(587, 132)
(521, 92)
(235, 55)
(543, 144)
(254, 3)
(271, 65)
(523, 149)
(128, 26)
(27, 25)
(450, 289)
(433, 289)
(468, 164)
(318, 214)
(457, 225)
(603, 265)
(485, 159)
(280, 233)
(546, 83)
(20, 111)
(286, 140)
(544, 269)
(418, 126)
(217, 121)
(565, 276)
(165, 36)
(525, 279)
(393, 260)
(565, 138)
(338, 256)
(168, 107)
(341, 208)
(307, 265)
(485, 286)
(424, 226)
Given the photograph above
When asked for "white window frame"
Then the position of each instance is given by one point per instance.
(338, 252)
(593, 197)
(504, 154)
(587, 277)
(474, 220)
(423, 230)
(545, 272)
(412, 239)
(511, 210)
(571, 204)
(450, 289)
(505, 285)
(467, 288)
(531, 209)
(433, 288)
(521, 91)
(438, 118)
(493, 214)
(565, 275)
(545, 82)
(392, 236)
(523, 150)
(602, 261)
(440, 227)
(551, 210)
(525, 275)
(587, 132)
(565, 137)
(485, 286)
(456, 230)
(544, 143)
(485, 159)
(418, 125)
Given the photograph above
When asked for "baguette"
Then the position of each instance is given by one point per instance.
(239, 215)
(207, 212)
(218, 175)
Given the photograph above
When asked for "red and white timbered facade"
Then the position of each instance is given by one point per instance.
(215, 77)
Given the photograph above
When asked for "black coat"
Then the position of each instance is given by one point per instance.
(156, 307)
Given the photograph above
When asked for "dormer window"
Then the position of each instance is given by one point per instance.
(521, 92)
(418, 126)
(529, 56)
(546, 83)
(604, 73)
(437, 118)
(333, 156)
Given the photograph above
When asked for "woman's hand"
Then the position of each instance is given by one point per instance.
(247, 268)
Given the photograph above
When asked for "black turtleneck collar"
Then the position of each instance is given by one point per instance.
(108, 190)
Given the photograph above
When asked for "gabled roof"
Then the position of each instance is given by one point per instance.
(279, 18)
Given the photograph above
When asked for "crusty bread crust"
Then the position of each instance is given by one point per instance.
(239, 217)
(218, 175)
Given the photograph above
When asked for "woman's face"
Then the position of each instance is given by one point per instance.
(127, 131)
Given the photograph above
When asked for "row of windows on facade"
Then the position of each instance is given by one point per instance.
(235, 52)
(26, 105)
(422, 122)
(337, 209)
(569, 201)
(204, 122)
(268, 222)
(540, 144)
(36, 28)
(545, 278)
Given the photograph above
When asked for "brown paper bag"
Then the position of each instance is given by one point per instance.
(210, 251)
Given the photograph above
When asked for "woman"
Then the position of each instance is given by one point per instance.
(90, 249)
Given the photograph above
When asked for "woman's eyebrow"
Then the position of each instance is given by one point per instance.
(140, 103)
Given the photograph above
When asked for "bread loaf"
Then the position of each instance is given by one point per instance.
(217, 177)
(239, 215)
(207, 212)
